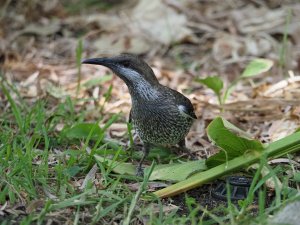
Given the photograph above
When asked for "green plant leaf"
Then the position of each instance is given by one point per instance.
(83, 130)
(256, 67)
(214, 82)
(177, 171)
(233, 141)
(168, 172)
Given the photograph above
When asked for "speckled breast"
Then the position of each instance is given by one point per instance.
(160, 124)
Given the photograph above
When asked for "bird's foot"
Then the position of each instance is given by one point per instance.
(189, 153)
(139, 171)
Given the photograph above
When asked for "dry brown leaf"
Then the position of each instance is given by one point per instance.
(282, 128)
(253, 20)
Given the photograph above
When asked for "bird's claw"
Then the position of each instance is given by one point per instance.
(139, 172)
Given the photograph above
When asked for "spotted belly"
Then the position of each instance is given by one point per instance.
(163, 131)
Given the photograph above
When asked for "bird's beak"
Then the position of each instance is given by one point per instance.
(98, 61)
(110, 63)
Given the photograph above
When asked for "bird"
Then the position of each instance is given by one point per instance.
(161, 116)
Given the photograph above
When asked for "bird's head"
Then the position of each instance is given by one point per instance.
(131, 69)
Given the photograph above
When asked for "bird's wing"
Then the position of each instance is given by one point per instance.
(187, 112)
(184, 104)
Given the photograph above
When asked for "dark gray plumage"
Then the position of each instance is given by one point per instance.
(160, 115)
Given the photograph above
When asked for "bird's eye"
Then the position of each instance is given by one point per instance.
(126, 64)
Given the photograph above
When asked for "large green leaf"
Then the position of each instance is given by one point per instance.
(233, 141)
(168, 172)
(177, 171)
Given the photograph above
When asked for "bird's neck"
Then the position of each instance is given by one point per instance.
(143, 90)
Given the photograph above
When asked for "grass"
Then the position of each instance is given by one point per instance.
(42, 173)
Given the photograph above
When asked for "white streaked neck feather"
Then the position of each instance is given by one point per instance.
(140, 86)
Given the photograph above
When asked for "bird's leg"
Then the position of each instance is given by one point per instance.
(182, 145)
(139, 169)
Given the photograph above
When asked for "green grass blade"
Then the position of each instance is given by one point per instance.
(15, 109)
